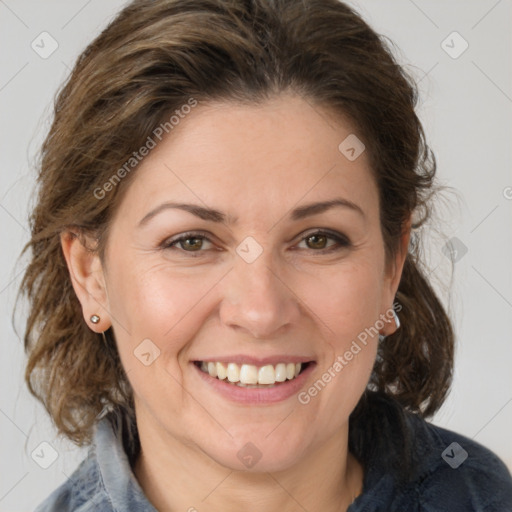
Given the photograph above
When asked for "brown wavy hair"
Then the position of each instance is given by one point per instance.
(150, 60)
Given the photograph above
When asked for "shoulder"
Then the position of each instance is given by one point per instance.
(83, 491)
(412, 465)
(104, 481)
(455, 473)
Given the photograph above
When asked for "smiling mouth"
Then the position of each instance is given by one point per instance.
(251, 376)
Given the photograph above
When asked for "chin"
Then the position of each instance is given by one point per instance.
(257, 454)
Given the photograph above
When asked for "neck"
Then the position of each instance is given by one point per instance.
(178, 476)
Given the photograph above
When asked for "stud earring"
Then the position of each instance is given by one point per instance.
(95, 319)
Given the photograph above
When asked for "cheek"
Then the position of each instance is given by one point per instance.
(346, 303)
(160, 304)
(156, 314)
(346, 300)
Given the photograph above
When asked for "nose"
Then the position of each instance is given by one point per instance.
(258, 300)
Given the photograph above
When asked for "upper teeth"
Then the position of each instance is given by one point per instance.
(250, 374)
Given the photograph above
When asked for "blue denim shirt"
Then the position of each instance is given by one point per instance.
(455, 474)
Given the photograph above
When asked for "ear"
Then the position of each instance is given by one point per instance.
(393, 279)
(87, 277)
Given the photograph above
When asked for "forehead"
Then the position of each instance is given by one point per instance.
(269, 157)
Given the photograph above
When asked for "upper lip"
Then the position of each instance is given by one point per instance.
(257, 361)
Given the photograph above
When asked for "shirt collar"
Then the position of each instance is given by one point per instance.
(118, 478)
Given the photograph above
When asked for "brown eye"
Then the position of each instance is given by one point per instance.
(188, 243)
(191, 243)
(317, 241)
(325, 241)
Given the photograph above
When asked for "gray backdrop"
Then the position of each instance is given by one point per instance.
(458, 50)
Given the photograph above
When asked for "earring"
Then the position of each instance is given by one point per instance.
(396, 319)
(397, 323)
(95, 319)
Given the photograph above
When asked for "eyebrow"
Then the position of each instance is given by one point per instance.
(213, 215)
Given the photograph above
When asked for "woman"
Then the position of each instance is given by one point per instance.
(225, 301)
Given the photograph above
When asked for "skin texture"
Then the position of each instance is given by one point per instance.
(256, 164)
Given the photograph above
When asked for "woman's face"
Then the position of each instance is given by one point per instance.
(250, 285)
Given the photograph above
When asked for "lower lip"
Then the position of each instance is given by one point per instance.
(256, 396)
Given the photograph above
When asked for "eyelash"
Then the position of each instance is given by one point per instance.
(342, 242)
